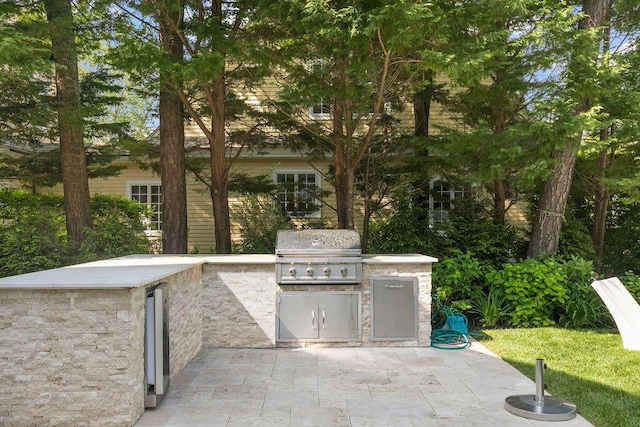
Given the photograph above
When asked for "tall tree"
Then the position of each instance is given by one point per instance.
(217, 71)
(345, 66)
(172, 149)
(582, 67)
(72, 153)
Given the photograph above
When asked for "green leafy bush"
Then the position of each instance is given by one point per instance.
(259, 220)
(631, 281)
(404, 230)
(470, 228)
(33, 232)
(583, 307)
(33, 241)
(457, 278)
(490, 307)
(117, 229)
(534, 288)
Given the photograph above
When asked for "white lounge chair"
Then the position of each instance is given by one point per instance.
(624, 309)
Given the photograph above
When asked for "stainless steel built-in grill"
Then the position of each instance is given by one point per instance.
(318, 257)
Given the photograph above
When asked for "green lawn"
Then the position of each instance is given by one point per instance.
(588, 368)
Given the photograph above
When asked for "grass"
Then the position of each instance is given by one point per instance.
(589, 368)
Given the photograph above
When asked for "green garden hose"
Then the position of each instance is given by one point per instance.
(450, 331)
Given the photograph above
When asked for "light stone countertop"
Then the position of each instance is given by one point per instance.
(116, 273)
(134, 271)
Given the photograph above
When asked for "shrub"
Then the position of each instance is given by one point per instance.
(259, 220)
(456, 279)
(405, 230)
(117, 229)
(33, 241)
(470, 228)
(583, 307)
(632, 282)
(534, 288)
(33, 232)
(490, 307)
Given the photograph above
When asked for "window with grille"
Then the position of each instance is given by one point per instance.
(321, 110)
(297, 191)
(150, 194)
(443, 193)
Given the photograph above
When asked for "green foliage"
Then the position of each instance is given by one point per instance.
(622, 251)
(33, 233)
(631, 281)
(490, 307)
(575, 239)
(403, 230)
(470, 228)
(33, 240)
(457, 279)
(117, 229)
(583, 307)
(534, 288)
(259, 220)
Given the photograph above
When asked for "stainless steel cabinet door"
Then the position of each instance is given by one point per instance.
(394, 307)
(297, 316)
(339, 316)
(318, 316)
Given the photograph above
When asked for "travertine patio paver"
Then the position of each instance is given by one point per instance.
(342, 386)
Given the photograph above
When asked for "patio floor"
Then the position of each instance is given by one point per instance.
(392, 386)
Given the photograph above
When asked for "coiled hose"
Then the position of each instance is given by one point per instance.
(450, 331)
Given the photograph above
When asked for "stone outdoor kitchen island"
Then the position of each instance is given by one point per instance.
(72, 340)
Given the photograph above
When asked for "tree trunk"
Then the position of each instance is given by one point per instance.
(344, 175)
(499, 201)
(545, 234)
(422, 107)
(219, 169)
(172, 154)
(547, 224)
(601, 204)
(75, 179)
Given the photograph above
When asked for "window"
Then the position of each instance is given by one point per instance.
(297, 190)
(321, 110)
(441, 200)
(150, 194)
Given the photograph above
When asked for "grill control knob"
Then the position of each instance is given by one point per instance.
(293, 272)
(309, 271)
(326, 272)
(344, 271)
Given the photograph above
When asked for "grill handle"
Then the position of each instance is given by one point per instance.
(394, 286)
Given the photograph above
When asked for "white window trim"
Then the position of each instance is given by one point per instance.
(274, 177)
(453, 193)
(129, 184)
(386, 109)
(318, 116)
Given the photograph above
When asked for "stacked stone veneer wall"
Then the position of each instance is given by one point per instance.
(69, 357)
(239, 303)
(76, 357)
(184, 296)
(420, 271)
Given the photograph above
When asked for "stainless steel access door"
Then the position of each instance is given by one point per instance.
(318, 316)
(394, 309)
